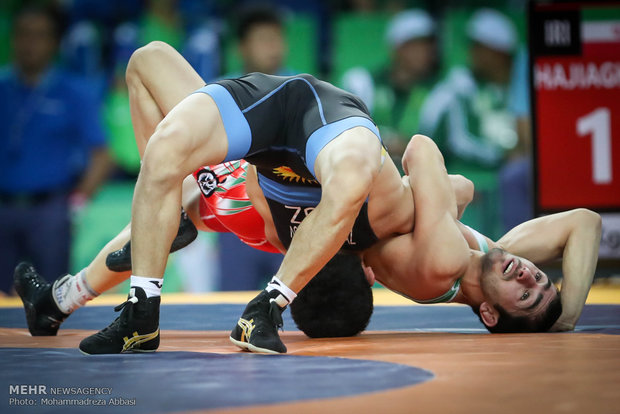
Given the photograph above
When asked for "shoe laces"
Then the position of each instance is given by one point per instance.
(130, 301)
(120, 320)
(34, 280)
(275, 313)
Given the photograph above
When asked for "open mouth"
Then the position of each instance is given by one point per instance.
(509, 267)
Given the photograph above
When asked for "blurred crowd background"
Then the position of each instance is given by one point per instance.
(453, 70)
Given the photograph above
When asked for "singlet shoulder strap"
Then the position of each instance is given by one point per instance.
(482, 241)
(446, 297)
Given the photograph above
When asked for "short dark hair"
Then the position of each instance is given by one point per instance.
(508, 323)
(38, 8)
(256, 15)
(337, 302)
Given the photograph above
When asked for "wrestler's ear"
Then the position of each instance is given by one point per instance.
(488, 314)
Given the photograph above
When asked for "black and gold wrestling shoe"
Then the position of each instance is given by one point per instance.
(42, 313)
(120, 260)
(257, 329)
(135, 330)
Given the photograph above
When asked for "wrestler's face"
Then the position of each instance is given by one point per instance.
(263, 49)
(516, 284)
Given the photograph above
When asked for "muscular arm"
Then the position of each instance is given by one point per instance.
(463, 188)
(436, 253)
(573, 236)
(463, 192)
(346, 168)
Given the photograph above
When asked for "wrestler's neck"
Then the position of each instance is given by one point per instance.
(471, 291)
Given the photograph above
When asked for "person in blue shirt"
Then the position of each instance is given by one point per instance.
(52, 148)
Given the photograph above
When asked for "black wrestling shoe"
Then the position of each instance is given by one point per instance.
(135, 330)
(42, 313)
(257, 329)
(120, 260)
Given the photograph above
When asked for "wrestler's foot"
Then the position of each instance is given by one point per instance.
(120, 260)
(135, 330)
(42, 313)
(257, 329)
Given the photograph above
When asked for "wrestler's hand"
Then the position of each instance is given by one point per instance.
(370, 275)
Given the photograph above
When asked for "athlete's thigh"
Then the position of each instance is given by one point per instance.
(191, 135)
(356, 150)
(166, 74)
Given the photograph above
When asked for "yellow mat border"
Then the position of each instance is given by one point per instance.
(382, 297)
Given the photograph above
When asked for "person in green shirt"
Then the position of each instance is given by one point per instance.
(469, 117)
(396, 92)
(467, 113)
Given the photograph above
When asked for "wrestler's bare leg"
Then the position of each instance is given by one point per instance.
(101, 279)
(190, 135)
(158, 78)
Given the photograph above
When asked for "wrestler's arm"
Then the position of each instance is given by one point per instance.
(573, 236)
(463, 188)
(463, 192)
(346, 169)
(436, 253)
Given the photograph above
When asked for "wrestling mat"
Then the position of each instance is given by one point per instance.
(412, 358)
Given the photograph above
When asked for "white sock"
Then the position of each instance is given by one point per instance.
(151, 285)
(286, 295)
(71, 292)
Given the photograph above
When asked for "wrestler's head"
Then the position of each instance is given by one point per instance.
(337, 302)
(519, 297)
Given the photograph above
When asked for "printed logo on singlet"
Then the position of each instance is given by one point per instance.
(300, 213)
(207, 181)
(287, 174)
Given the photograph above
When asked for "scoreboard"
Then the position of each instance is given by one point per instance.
(575, 81)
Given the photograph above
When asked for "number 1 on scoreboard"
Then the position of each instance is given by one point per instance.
(598, 124)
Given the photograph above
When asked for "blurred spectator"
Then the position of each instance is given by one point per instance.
(162, 20)
(306, 22)
(261, 42)
(52, 149)
(108, 13)
(262, 47)
(396, 93)
(468, 113)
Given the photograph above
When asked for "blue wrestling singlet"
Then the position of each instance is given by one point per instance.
(280, 124)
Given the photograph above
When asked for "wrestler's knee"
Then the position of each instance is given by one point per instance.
(145, 57)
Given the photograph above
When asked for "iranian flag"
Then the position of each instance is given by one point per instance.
(600, 32)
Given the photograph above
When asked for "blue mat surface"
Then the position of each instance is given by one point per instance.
(595, 318)
(168, 382)
(70, 382)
